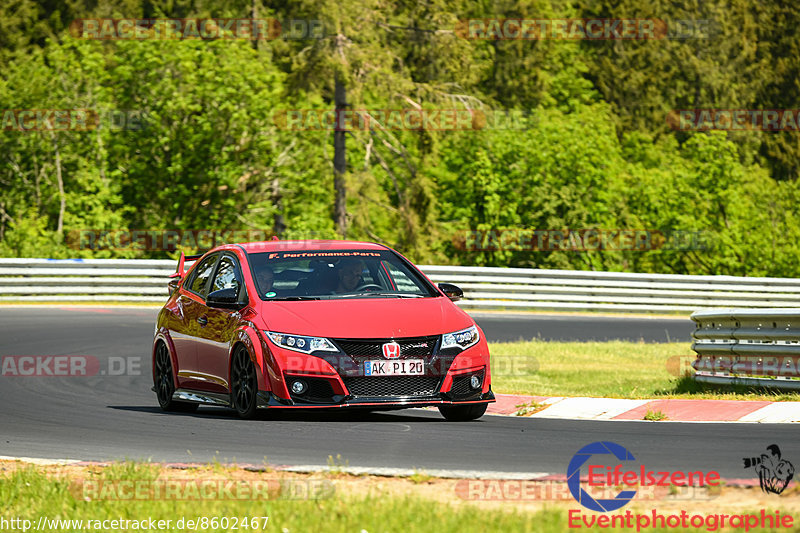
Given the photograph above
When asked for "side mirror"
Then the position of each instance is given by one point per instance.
(224, 299)
(451, 291)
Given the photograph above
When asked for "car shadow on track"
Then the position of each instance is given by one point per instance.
(298, 415)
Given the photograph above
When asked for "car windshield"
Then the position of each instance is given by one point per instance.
(336, 274)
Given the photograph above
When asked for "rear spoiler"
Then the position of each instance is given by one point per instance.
(175, 279)
(179, 272)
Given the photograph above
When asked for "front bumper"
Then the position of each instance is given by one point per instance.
(341, 380)
(267, 400)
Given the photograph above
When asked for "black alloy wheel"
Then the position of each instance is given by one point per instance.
(244, 384)
(165, 384)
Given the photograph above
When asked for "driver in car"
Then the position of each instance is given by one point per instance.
(349, 274)
(266, 277)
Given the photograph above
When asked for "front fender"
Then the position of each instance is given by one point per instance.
(249, 337)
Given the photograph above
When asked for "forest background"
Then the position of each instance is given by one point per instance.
(591, 144)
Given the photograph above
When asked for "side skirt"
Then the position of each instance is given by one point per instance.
(207, 398)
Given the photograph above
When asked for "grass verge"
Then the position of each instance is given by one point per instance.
(352, 504)
(613, 369)
(29, 493)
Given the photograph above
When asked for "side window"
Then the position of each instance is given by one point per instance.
(201, 274)
(401, 279)
(228, 276)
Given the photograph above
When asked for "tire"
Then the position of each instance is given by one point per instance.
(244, 384)
(463, 413)
(164, 383)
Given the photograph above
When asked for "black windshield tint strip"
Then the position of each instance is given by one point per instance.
(275, 259)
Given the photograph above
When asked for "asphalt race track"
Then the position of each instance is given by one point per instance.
(114, 415)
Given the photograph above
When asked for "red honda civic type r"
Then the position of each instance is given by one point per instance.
(316, 324)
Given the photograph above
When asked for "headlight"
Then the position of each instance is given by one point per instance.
(461, 339)
(299, 343)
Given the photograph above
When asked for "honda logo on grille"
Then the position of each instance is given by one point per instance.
(391, 350)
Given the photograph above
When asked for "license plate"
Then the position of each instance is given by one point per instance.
(405, 367)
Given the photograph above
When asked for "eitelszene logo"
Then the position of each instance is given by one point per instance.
(574, 476)
(774, 473)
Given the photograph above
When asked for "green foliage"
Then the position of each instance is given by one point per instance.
(655, 416)
(595, 151)
(29, 237)
(563, 171)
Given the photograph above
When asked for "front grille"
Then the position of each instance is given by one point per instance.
(461, 389)
(365, 349)
(375, 387)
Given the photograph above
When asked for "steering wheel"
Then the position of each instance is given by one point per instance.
(369, 287)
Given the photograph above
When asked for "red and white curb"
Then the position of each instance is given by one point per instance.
(677, 410)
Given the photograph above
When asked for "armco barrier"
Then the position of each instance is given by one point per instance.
(139, 280)
(78, 280)
(616, 291)
(753, 347)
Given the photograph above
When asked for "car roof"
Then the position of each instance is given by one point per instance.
(273, 246)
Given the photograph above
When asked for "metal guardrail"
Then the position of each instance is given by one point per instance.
(748, 347)
(139, 280)
(80, 280)
(615, 291)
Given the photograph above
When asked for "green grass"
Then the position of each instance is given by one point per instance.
(608, 369)
(419, 476)
(525, 409)
(28, 494)
(131, 470)
(655, 416)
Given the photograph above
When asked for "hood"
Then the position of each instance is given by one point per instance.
(364, 318)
